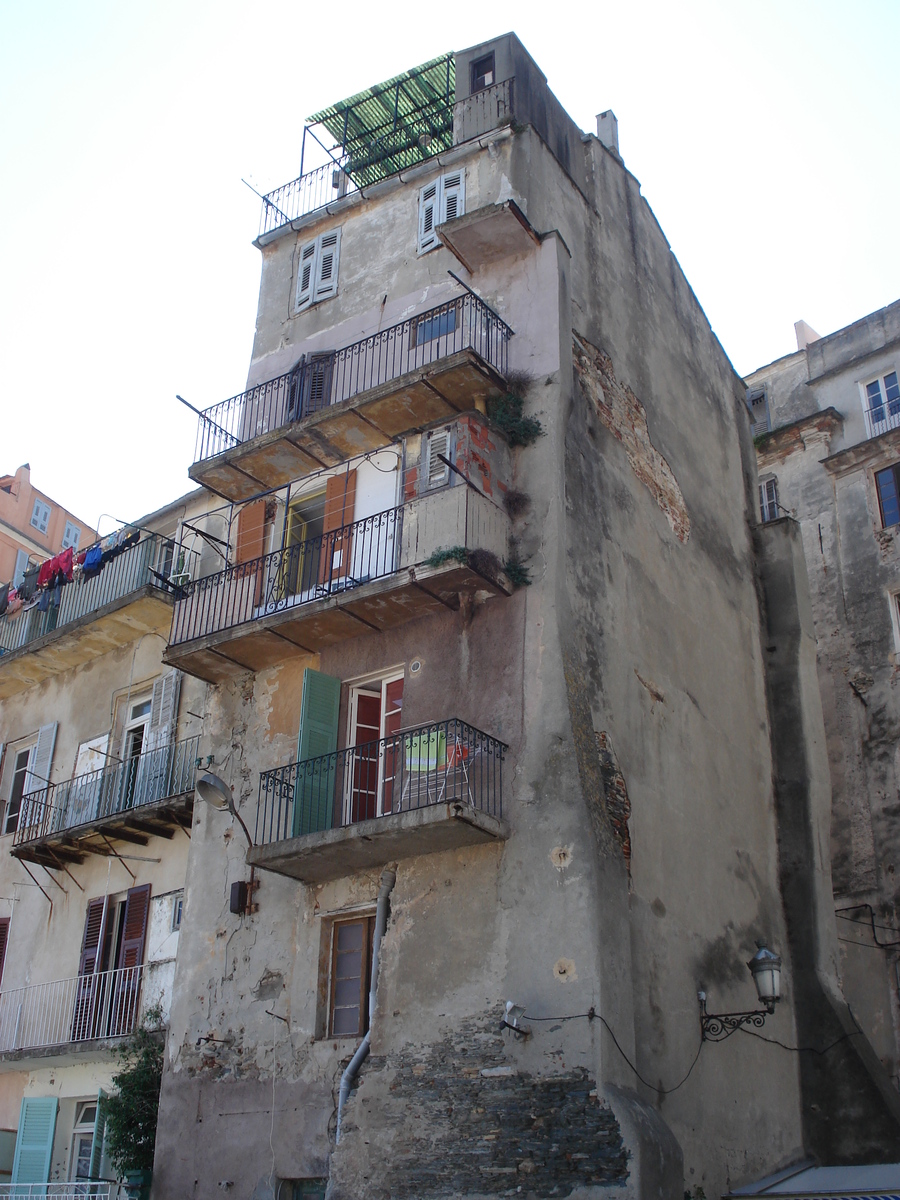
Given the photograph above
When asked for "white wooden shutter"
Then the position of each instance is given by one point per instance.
(438, 444)
(328, 258)
(21, 567)
(40, 759)
(34, 1141)
(453, 196)
(306, 274)
(163, 710)
(428, 208)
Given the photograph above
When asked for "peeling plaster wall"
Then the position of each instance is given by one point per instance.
(630, 629)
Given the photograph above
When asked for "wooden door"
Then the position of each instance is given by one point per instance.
(130, 957)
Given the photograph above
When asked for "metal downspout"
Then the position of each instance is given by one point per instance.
(388, 879)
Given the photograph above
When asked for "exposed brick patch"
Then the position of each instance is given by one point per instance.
(479, 1127)
(623, 415)
(618, 806)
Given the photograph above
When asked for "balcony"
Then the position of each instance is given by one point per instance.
(84, 1008)
(127, 599)
(331, 407)
(148, 795)
(432, 788)
(66, 1189)
(399, 565)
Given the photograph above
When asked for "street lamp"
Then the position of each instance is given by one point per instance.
(765, 967)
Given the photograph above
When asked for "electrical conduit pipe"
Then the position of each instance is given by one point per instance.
(388, 879)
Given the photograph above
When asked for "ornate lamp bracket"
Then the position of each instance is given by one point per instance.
(715, 1027)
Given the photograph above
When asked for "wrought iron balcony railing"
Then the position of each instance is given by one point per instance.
(322, 566)
(313, 190)
(320, 380)
(65, 1189)
(444, 762)
(80, 1009)
(134, 568)
(119, 787)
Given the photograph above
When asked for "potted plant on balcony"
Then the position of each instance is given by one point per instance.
(131, 1111)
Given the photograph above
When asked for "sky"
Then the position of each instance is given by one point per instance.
(765, 138)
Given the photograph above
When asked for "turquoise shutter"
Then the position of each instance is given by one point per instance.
(34, 1142)
(314, 789)
(97, 1142)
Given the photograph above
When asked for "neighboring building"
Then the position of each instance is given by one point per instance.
(511, 691)
(828, 446)
(99, 753)
(33, 527)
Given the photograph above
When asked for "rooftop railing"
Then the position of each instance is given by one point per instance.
(79, 1009)
(319, 380)
(322, 566)
(132, 569)
(483, 111)
(119, 787)
(443, 762)
(312, 190)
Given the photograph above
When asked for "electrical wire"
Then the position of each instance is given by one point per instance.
(802, 1049)
(871, 922)
(593, 1015)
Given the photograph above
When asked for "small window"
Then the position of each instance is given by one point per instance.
(768, 499)
(758, 404)
(442, 324)
(444, 199)
(483, 72)
(177, 910)
(883, 401)
(317, 276)
(40, 516)
(887, 484)
(17, 791)
(71, 537)
(351, 964)
(438, 453)
(305, 1189)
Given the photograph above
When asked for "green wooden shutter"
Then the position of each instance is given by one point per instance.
(314, 789)
(34, 1142)
(99, 1132)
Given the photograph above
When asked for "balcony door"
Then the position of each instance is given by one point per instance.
(107, 992)
(375, 717)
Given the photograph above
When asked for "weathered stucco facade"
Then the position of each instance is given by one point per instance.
(831, 448)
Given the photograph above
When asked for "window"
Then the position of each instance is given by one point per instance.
(437, 449)
(28, 771)
(442, 324)
(768, 499)
(443, 199)
(758, 404)
(317, 277)
(883, 398)
(83, 1140)
(351, 964)
(71, 537)
(483, 72)
(177, 911)
(887, 484)
(40, 516)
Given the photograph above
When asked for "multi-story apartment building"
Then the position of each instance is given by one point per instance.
(489, 692)
(100, 745)
(33, 527)
(827, 419)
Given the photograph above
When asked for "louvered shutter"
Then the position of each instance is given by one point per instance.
(94, 929)
(41, 758)
(453, 196)
(437, 471)
(97, 1140)
(306, 275)
(34, 1141)
(327, 263)
(428, 207)
(152, 779)
(250, 532)
(134, 927)
(4, 939)
(92, 984)
(337, 539)
(123, 1017)
(314, 790)
(758, 403)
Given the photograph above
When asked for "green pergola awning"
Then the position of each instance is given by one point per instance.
(395, 124)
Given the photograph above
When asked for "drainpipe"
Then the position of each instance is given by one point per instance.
(388, 879)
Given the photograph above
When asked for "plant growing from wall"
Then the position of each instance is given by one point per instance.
(507, 413)
(457, 554)
(131, 1111)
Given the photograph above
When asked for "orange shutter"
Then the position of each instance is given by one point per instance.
(250, 532)
(340, 500)
(4, 938)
